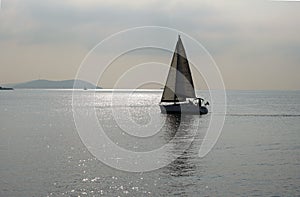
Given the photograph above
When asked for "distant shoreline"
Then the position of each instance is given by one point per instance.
(48, 84)
(5, 88)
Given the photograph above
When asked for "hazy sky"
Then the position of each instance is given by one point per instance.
(256, 44)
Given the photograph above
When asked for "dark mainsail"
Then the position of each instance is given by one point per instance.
(179, 85)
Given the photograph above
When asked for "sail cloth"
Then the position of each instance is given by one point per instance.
(179, 85)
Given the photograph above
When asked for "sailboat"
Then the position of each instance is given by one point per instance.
(179, 95)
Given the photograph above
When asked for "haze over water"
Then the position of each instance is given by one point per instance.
(257, 154)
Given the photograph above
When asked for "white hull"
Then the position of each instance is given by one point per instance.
(183, 108)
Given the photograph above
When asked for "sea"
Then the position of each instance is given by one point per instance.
(45, 149)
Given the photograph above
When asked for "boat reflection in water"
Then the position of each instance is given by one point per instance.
(182, 132)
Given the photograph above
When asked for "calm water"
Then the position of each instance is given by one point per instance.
(257, 154)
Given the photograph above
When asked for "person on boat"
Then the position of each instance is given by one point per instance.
(200, 101)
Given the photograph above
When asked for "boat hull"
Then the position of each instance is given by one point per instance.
(183, 109)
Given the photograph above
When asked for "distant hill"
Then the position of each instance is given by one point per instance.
(47, 84)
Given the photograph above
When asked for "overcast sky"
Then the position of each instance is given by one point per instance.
(256, 44)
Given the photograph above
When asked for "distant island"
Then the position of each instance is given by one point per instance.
(4, 88)
(47, 84)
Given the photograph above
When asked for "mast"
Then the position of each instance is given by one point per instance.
(179, 85)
